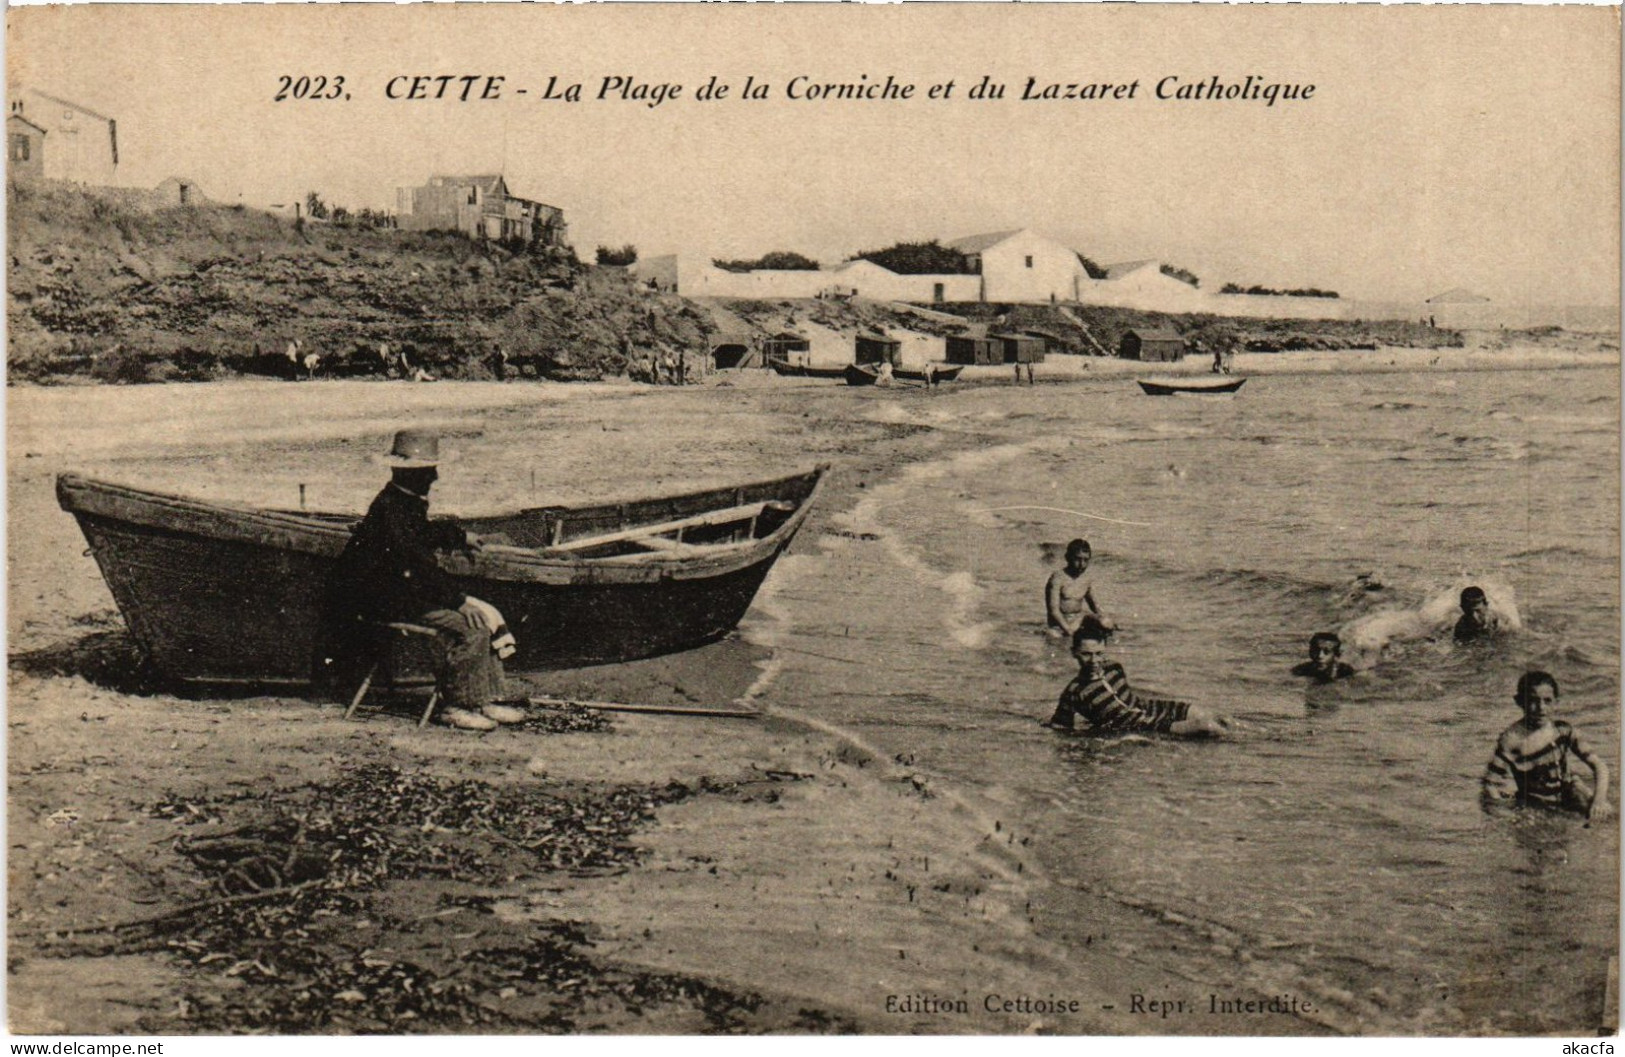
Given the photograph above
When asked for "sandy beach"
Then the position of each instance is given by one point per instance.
(788, 878)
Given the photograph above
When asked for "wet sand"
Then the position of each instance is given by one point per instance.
(822, 880)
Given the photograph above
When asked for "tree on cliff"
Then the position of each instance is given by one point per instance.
(619, 257)
(918, 258)
(776, 261)
(1266, 291)
(1182, 274)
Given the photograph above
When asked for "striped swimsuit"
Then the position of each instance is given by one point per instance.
(1111, 706)
(1542, 777)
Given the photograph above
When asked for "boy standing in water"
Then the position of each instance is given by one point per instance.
(1531, 761)
(1070, 593)
(1325, 663)
(1101, 695)
(1477, 622)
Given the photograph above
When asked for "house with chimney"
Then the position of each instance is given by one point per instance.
(51, 138)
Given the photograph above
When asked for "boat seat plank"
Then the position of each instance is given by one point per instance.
(643, 532)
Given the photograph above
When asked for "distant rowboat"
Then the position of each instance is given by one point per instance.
(866, 374)
(939, 373)
(218, 593)
(1193, 384)
(804, 370)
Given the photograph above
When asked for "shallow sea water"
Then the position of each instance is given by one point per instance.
(1334, 849)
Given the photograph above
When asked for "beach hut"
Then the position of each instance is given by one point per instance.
(1020, 348)
(787, 346)
(1151, 344)
(979, 350)
(878, 348)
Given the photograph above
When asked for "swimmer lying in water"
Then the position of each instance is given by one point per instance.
(1531, 762)
(1070, 593)
(1102, 696)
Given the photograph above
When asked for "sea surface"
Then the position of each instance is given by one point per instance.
(1334, 850)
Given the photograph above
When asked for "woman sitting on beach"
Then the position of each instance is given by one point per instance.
(1101, 694)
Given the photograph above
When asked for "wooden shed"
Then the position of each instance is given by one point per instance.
(1020, 348)
(787, 346)
(877, 348)
(975, 350)
(1144, 343)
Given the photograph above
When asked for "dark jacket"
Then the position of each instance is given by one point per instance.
(388, 571)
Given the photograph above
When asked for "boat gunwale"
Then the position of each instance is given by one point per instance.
(503, 563)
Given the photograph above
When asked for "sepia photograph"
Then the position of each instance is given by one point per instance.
(813, 520)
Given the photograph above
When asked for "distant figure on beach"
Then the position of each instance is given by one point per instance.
(883, 374)
(1069, 594)
(1530, 767)
(1325, 663)
(389, 573)
(1101, 695)
(1477, 621)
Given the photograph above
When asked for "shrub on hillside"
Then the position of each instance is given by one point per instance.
(618, 256)
(776, 261)
(919, 258)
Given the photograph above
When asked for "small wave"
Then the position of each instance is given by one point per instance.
(1556, 551)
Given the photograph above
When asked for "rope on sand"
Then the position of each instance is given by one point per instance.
(1062, 510)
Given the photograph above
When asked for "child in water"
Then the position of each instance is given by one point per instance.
(1531, 761)
(1477, 621)
(1325, 663)
(1101, 695)
(1070, 593)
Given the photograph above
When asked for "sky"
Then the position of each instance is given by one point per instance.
(1442, 147)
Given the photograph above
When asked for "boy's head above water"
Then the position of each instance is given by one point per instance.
(1537, 691)
(1476, 604)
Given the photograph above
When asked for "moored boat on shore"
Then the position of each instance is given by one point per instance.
(219, 593)
(787, 369)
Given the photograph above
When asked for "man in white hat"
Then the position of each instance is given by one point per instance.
(389, 573)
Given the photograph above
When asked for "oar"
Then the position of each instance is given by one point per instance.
(675, 710)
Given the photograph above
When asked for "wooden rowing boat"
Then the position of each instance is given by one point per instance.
(219, 593)
(868, 374)
(942, 372)
(804, 370)
(1193, 384)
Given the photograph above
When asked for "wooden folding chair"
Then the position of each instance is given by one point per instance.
(390, 633)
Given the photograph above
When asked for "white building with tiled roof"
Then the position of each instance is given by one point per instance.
(1023, 265)
(1143, 285)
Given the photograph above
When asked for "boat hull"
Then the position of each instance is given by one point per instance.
(233, 595)
(1175, 386)
(805, 370)
(863, 374)
(940, 375)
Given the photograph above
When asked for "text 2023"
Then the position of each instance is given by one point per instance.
(310, 88)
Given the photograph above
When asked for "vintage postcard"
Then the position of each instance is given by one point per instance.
(1079, 520)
